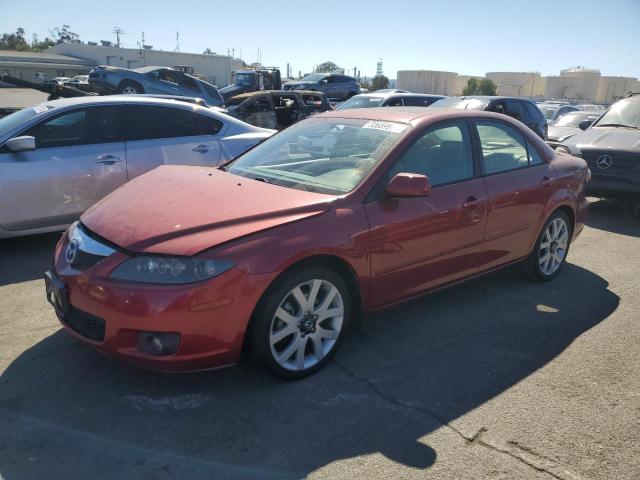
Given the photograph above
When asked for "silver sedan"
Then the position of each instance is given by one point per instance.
(59, 158)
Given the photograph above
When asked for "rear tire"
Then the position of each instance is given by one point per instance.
(549, 254)
(300, 321)
(130, 88)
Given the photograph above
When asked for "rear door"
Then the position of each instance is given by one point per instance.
(423, 242)
(519, 186)
(164, 135)
(79, 159)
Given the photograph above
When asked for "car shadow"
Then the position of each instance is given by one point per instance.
(615, 217)
(68, 412)
(26, 258)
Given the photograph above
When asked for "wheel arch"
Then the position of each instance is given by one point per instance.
(128, 80)
(327, 260)
(565, 208)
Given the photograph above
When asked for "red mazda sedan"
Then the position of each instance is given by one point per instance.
(277, 252)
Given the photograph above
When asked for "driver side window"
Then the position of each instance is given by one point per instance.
(503, 147)
(443, 153)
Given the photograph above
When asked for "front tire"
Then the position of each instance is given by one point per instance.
(550, 251)
(299, 323)
(130, 88)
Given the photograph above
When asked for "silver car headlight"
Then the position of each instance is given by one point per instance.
(169, 270)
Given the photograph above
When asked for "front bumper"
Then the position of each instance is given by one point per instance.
(211, 317)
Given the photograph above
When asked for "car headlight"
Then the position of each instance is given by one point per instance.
(169, 270)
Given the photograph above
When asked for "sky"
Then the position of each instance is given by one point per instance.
(467, 37)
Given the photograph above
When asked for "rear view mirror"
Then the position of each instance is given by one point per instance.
(584, 124)
(409, 185)
(21, 144)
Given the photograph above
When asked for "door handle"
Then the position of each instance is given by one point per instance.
(472, 202)
(546, 181)
(201, 149)
(108, 159)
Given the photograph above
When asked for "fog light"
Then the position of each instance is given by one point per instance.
(157, 343)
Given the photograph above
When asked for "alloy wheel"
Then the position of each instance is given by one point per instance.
(306, 325)
(553, 247)
(129, 91)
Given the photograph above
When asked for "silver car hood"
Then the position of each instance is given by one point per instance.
(606, 138)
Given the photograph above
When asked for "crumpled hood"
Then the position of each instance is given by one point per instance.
(299, 84)
(182, 210)
(603, 138)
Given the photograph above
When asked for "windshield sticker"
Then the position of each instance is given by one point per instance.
(386, 126)
(39, 108)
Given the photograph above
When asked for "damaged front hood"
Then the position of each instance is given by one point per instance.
(182, 210)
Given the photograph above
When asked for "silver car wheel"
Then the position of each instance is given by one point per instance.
(553, 247)
(129, 90)
(306, 325)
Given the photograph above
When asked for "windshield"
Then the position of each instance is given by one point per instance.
(324, 155)
(244, 79)
(573, 120)
(314, 77)
(548, 110)
(461, 103)
(360, 101)
(11, 121)
(623, 113)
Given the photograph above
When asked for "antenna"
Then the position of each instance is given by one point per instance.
(118, 31)
(177, 42)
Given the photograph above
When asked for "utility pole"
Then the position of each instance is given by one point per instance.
(118, 31)
(177, 42)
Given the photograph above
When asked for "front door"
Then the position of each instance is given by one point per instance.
(79, 159)
(518, 182)
(421, 243)
(172, 136)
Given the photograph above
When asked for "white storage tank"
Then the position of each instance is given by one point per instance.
(428, 81)
(611, 89)
(518, 84)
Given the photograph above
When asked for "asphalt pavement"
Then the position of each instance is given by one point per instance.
(498, 378)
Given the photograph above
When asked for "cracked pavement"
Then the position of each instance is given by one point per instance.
(498, 378)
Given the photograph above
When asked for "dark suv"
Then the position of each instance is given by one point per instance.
(611, 147)
(521, 109)
(334, 85)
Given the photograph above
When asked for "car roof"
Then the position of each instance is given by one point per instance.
(491, 97)
(110, 99)
(398, 94)
(276, 92)
(408, 114)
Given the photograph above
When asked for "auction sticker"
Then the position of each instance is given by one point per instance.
(39, 108)
(386, 126)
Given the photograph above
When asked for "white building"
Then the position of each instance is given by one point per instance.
(37, 67)
(216, 68)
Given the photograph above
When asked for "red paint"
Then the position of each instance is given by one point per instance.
(397, 247)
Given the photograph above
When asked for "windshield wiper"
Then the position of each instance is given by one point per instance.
(261, 179)
(616, 125)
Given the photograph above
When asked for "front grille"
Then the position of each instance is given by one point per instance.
(85, 324)
(623, 163)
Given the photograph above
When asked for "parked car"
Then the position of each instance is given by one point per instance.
(56, 80)
(521, 109)
(554, 111)
(568, 125)
(335, 86)
(390, 99)
(276, 108)
(79, 82)
(389, 90)
(58, 158)
(611, 147)
(163, 80)
(280, 250)
(591, 107)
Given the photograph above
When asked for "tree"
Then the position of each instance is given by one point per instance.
(208, 52)
(63, 34)
(41, 45)
(378, 82)
(483, 87)
(14, 41)
(328, 67)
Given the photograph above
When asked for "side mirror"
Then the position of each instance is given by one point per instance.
(409, 185)
(584, 124)
(324, 80)
(21, 144)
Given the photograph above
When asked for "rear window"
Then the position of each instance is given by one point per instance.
(462, 103)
